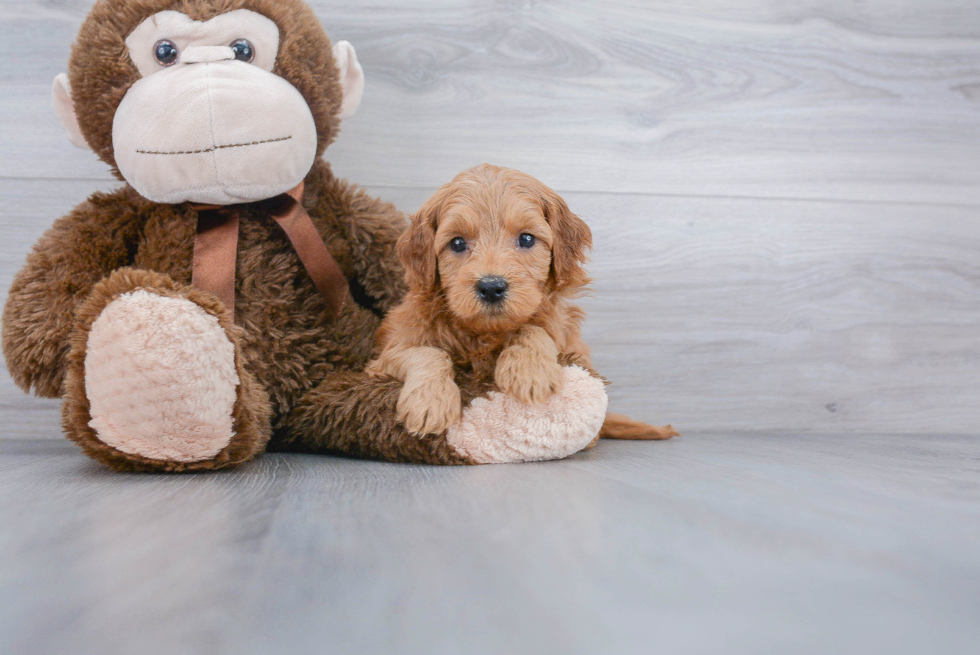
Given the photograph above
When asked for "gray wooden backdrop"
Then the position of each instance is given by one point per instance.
(785, 193)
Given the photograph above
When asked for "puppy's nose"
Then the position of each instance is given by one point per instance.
(491, 289)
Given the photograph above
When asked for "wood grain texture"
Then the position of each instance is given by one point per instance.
(748, 314)
(697, 138)
(709, 543)
(730, 314)
(784, 198)
(875, 101)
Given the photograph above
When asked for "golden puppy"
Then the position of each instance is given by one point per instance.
(493, 261)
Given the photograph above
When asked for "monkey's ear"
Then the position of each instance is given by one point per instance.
(64, 108)
(351, 78)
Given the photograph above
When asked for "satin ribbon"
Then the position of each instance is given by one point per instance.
(216, 249)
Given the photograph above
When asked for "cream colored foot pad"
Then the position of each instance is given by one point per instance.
(160, 378)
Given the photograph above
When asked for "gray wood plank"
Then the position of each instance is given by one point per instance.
(876, 101)
(739, 312)
(729, 314)
(743, 314)
(709, 543)
(814, 317)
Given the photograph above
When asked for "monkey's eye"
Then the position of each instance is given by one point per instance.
(526, 240)
(458, 244)
(243, 50)
(166, 53)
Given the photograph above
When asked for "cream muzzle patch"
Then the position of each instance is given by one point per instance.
(209, 122)
(204, 126)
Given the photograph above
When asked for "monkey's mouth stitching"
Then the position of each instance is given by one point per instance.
(214, 148)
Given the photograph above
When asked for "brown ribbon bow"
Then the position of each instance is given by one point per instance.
(216, 249)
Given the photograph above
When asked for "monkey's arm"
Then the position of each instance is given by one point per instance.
(80, 249)
(370, 228)
(373, 230)
(355, 413)
(360, 413)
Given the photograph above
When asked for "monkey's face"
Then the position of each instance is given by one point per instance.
(208, 120)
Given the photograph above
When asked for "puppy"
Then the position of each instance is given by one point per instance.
(493, 261)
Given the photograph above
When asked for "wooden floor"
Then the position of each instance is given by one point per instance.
(714, 543)
(786, 203)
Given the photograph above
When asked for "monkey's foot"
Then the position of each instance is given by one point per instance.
(499, 429)
(162, 384)
(160, 378)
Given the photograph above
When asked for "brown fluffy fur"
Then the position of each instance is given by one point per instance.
(443, 325)
(301, 387)
(250, 414)
(291, 355)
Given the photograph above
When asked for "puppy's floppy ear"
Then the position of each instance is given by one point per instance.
(573, 240)
(417, 246)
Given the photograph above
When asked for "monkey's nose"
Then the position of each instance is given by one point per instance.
(206, 54)
(492, 289)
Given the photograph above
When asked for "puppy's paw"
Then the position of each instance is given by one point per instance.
(429, 407)
(375, 369)
(528, 377)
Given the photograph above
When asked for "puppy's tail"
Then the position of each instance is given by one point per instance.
(617, 426)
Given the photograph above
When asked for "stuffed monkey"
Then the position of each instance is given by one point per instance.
(226, 298)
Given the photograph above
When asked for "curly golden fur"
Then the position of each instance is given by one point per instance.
(493, 261)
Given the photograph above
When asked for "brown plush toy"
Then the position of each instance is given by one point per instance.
(227, 297)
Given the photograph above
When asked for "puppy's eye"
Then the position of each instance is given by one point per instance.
(526, 240)
(243, 50)
(458, 244)
(166, 53)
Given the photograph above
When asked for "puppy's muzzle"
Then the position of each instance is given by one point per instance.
(492, 289)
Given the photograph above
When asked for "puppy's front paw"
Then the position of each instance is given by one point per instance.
(429, 407)
(528, 377)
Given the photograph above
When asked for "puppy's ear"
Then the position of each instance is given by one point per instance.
(573, 240)
(417, 246)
